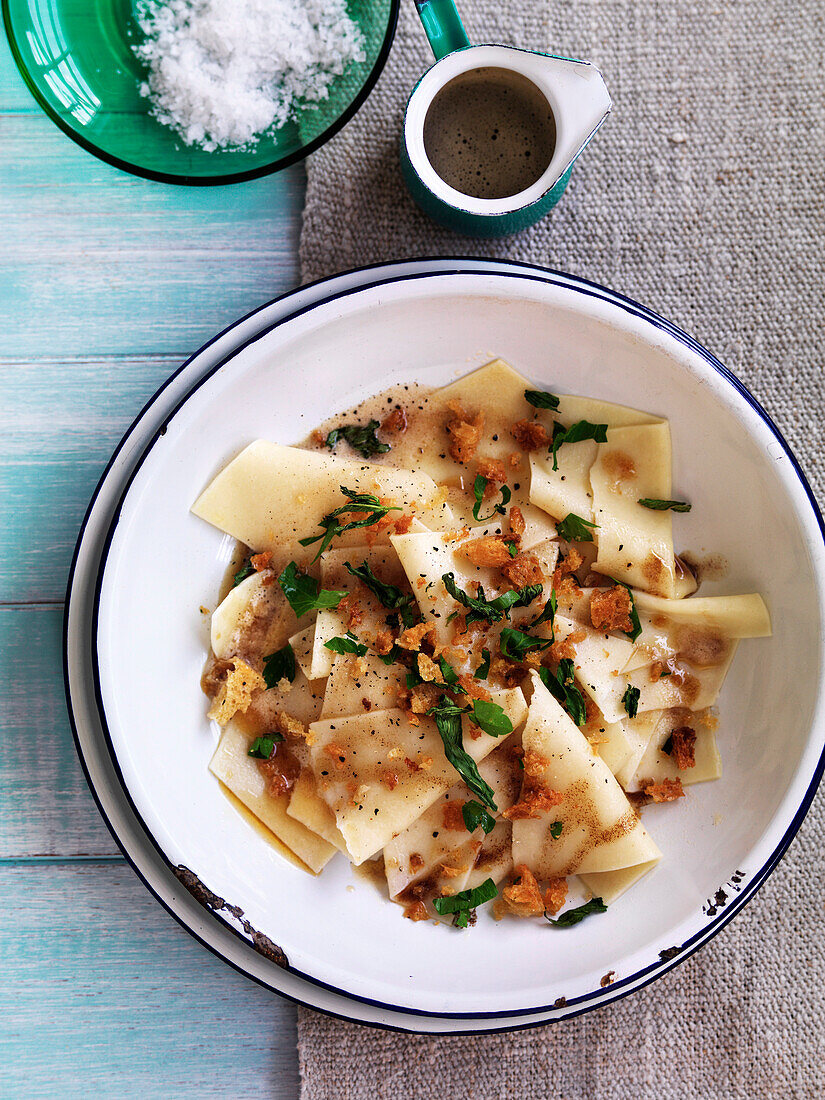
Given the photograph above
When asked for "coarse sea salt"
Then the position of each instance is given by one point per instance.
(224, 72)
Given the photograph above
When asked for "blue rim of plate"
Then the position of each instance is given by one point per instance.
(586, 1002)
(207, 181)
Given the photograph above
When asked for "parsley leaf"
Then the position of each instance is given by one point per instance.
(630, 700)
(574, 528)
(305, 594)
(474, 815)
(556, 829)
(246, 570)
(450, 676)
(483, 670)
(263, 747)
(562, 687)
(573, 916)
(279, 665)
(395, 654)
(466, 899)
(663, 505)
(582, 429)
(356, 502)
(388, 594)
(361, 437)
(347, 644)
(515, 644)
(414, 677)
(491, 718)
(479, 485)
(541, 400)
(491, 610)
(548, 615)
(448, 723)
(635, 625)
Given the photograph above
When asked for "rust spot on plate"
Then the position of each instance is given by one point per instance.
(669, 953)
(209, 900)
(197, 889)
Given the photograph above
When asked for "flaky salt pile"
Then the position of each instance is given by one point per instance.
(224, 72)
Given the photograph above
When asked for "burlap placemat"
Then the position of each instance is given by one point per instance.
(702, 197)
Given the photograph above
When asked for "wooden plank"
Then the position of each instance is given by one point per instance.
(47, 807)
(60, 422)
(104, 995)
(96, 261)
(64, 199)
(92, 308)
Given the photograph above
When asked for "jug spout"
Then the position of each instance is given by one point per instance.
(580, 101)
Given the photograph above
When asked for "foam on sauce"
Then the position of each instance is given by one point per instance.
(490, 133)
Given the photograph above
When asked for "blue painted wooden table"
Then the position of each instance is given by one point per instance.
(108, 283)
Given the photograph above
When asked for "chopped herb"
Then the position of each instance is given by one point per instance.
(474, 815)
(541, 400)
(556, 829)
(483, 670)
(356, 502)
(663, 505)
(548, 615)
(635, 625)
(450, 676)
(563, 689)
(515, 644)
(305, 594)
(465, 901)
(414, 678)
(395, 654)
(361, 437)
(279, 665)
(667, 748)
(577, 432)
(575, 529)
(448, 722)
(630, 700)
(246, 570)
(263, 747)
(573, 916)
(491, 718)
(348, 644)
(512, 549)
(479, 486)
(491, 610)
(388, 594)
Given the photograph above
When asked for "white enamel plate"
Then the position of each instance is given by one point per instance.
(346, 949)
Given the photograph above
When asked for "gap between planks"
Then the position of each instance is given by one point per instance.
(56, 861)
(32, 603)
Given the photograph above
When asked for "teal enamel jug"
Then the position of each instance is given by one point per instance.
(577, 104)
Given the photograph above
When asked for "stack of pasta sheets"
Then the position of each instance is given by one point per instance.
(489, 673)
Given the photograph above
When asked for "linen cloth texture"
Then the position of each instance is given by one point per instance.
(702, 197)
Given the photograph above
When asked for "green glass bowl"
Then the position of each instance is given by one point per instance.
(76, 58)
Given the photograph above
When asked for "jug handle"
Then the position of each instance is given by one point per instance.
(443, 27)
